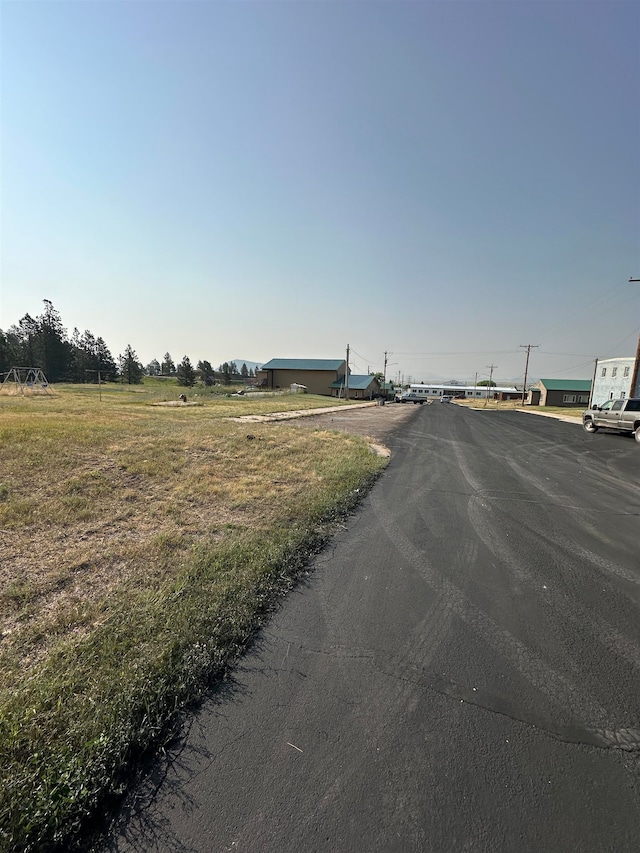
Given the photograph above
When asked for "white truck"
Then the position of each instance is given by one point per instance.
(619, 415)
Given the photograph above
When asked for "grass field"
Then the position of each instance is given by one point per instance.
(141, 545)
(513, 405)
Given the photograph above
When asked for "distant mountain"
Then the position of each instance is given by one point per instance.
(251, 365)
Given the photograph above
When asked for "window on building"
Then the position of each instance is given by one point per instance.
(583, 398)
(569, 398)
(604, 371)
(626, 372)
(614, 371)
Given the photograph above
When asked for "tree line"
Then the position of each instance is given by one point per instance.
(44, 342)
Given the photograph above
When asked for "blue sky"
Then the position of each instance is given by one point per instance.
(441, 180)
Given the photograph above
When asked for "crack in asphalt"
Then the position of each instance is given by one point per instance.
(575, 732)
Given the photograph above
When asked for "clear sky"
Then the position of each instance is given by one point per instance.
(442, 180)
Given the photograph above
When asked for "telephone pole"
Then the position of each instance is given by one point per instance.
(346, 377)
(526, 367)
(491, 368)
(636, 365)
(384, 376)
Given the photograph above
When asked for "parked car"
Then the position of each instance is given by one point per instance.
(411, 397)
(445, 398)
(619, 415)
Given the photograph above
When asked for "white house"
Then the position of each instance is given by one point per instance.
(612, 379)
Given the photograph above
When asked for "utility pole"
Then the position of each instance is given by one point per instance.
(526, 367)
(636, 366)
(491, 368)
(593, 383)
(384, 376)
(346, 377)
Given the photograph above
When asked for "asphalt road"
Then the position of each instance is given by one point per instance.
(461, 671)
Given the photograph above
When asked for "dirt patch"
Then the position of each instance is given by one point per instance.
(377, 423)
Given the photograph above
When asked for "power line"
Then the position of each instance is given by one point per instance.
(607, 297)
(364, 358)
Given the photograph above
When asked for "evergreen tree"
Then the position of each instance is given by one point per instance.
(168, 368)
(104, 361)
(186, 373)
(131, 371)
(153, 368)
(55, 350)
(78, 361)
(43, 342)
(244, 370)
(207, 373)
(6, 354)
(23, 340)
(225, 369)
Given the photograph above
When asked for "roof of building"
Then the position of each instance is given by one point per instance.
(356, 382)
(450, 387)
(566, 384)
(304, 364)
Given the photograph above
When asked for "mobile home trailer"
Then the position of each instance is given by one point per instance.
(419, 392)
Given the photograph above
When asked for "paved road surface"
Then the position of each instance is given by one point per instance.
(460, 673)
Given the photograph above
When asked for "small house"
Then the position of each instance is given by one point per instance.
(361, 387)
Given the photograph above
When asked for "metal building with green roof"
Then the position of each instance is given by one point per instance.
(316, 374)
(561, 392)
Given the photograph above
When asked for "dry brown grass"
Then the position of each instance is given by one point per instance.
(116, 518)
(83, 514)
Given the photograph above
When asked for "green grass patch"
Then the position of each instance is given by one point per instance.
(142, 545)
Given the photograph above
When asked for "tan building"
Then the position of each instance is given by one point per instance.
(316, 374)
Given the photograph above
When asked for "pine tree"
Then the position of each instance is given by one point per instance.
(104, 360)
(207, 373)
(131, 371)
(168, 367)
(5, 354)
(55, 350)
(186, 373)
(23, 340)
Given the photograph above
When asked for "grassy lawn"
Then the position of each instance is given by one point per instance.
(516, 405)
(141, 545)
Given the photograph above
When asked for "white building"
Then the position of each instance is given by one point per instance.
(612, 379)
(433, 390)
